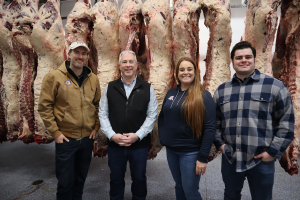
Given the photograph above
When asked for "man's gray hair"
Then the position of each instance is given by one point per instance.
(126, 51)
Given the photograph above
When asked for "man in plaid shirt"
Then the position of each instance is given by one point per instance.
(255, 125)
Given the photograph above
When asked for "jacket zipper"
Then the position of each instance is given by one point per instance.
(81, 105)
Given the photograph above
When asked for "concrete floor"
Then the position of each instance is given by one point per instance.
(22, 164)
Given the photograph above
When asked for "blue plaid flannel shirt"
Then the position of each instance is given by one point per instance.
(252, 117)
(151, 112)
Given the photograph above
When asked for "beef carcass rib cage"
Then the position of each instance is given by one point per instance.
(3, 128)
(286, 66)
(47, 39)
(260, 28)
(11, 71)
(217, 19)
(20, 38)
(186, 30)
(106, 40)
(79, 27)
(132, 33)
(158, 20)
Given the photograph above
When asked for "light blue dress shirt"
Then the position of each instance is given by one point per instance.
(148, 123)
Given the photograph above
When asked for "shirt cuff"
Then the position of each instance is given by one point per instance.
(274, 153)
(202, 158)
(140, 134)
(55, 134)
(110, 134)
(97, 127)
(218, 144)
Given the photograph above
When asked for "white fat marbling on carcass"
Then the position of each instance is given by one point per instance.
(11, 70)
(217, 19)
(132, 33)
(186, 30)
(79, 27)
(3, 128)
(21, 31)
(158, 19)
(48, 41)
(260, 28)
(286, 67)
(106, 41)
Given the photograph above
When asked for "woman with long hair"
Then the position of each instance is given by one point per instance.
(187, 126)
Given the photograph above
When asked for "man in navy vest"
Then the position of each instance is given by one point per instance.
(128, 110)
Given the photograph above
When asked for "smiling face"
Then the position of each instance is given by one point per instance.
(78, 57)
(186, 74)
(128, 66)
(243, 63)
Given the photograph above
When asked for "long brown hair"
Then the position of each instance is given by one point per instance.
(193, 104)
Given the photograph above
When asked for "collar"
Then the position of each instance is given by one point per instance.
(84, 73)
(255, 76)
(179, 88)
(132, 82)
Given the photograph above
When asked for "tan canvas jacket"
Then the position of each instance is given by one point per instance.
(66, 108)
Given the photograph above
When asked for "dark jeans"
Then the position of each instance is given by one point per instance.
(183, 169)
(73, 160)
(260, 179)
(117, 162)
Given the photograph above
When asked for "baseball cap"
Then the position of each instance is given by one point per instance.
(74, 45)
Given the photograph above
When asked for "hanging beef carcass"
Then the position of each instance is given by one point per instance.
(47, 39)
(286, 67)
(20, 40)
(132, 33)
(217, 19)
(11, 71)
(3, 128)
(106, 39)
(79, 27)
(260, 28)
(158, 20)
(185, 29)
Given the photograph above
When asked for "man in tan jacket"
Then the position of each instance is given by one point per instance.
(68, 106)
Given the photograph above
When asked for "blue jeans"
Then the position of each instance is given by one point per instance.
(72, 161)
(260, 179)
(117, 162)
(183, 169)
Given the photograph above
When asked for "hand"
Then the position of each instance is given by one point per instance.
(222, 148)
(120, 140)
(264, 157)
(94, 134)
(131, 138)
(200, 168)
(61, 138)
